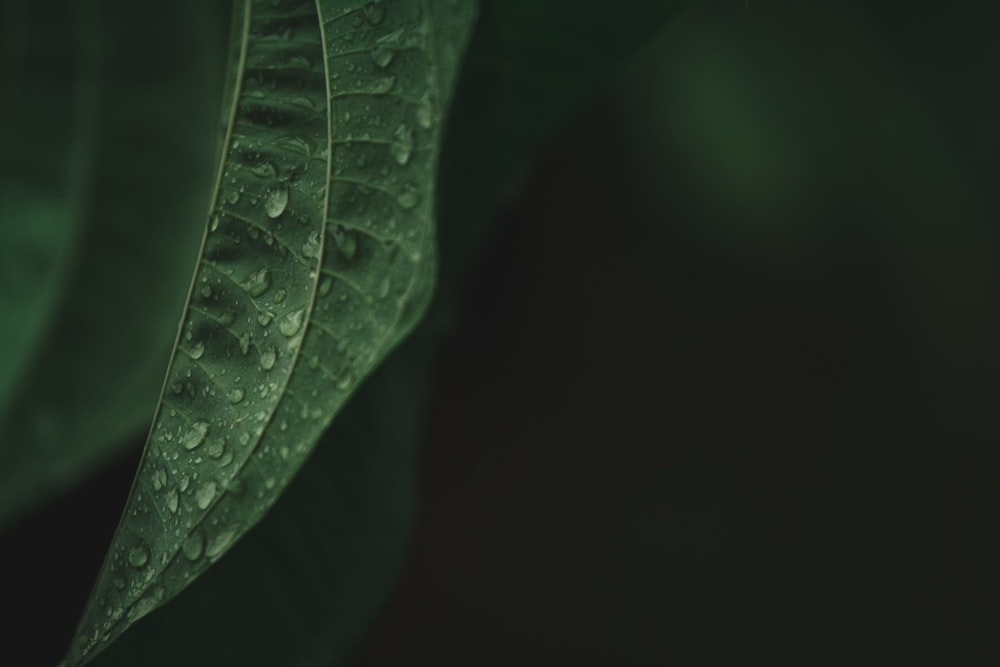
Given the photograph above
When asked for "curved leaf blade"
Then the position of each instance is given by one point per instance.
(318, 259)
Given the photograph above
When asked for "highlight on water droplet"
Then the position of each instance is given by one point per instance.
(375, 11)
(193, 546)
(382, 55)
(258, 282)
(312, 245)
(290, 324)
(138, 556)
(204, 496)
(402, 146)
(197, 350)
(409, 196)
(220, 543)
(195, 436)
(268, 357)
(275, 201)
(425, 116)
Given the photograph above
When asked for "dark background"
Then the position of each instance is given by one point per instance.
(723, 389)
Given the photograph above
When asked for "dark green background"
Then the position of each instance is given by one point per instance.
(723, 386)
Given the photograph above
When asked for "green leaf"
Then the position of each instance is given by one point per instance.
(108, 332)
(302, 587)
(318, 259)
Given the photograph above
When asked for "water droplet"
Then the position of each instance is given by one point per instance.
(383, 85)
(220, 542)
(325, 286)
(280, 295)
(237, 487)
(195, 436)
(159, 479)
(409, 196)
(275, 201)
(206, 291)
(236, 395)
(346, 243)
(139, 556)
(216, 448)
(267, 357)
(403, 146)
(227, 318)
(245, 342)
(213, 223)
(345, 381)
(204, 496)
(290, 324)
(302, 145)
(425, 115)
(312, 245)
(382, 55)
(193, 546)
(172, 501)
(264, 318)
(375, 11)
(232, 196)
(198, 350)
(264, 170)
(119, 583)
(383, 288)
(257, 283)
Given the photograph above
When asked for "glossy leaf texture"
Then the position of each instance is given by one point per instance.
(121, 236)
(317, 260)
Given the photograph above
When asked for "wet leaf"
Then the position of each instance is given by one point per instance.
(317, 260)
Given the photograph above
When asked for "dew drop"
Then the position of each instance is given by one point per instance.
(346, 243)
(312, 245)
(409, 197)
(424, 113)
(220, 542)
(268, 356)
(382, 55)
(213, 223)
(325, 286)
(193, 546)
(206, 291)
(264, 170)
(383, 85)
(232, 196)
(195, 436)
(403, 146)
(236, 395)
(375, 11)
(204, 496)
(216, 448)
(172, 501)
(197, 351)
(139, 556)
(345, 381)
(290, 324)
(258, 282)
(264, 318)
(275, 201)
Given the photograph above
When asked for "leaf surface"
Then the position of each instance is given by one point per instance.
(317, 260)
